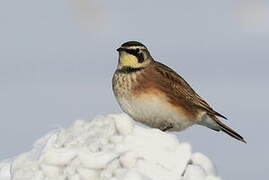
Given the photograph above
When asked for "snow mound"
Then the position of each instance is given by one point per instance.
(108, 147)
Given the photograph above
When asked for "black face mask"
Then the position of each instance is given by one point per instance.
(136, 53)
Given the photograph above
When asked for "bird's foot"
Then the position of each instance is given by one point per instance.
(166, 127)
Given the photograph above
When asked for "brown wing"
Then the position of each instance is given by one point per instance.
(181, 89)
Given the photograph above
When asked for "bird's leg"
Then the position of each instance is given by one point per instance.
(166, 127)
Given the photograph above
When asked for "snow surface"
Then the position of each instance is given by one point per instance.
(108, 147)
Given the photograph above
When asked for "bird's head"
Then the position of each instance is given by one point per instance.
(133, 54)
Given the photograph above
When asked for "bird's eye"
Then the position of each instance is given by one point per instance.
(140, 57)
(136, 52)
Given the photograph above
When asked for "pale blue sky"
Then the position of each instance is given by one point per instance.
(57, 60)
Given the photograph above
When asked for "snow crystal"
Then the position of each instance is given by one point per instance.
(203, 161)
(110, 147)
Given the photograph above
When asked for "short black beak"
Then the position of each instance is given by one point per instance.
(120, 49)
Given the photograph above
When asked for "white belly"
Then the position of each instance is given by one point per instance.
(154, 112)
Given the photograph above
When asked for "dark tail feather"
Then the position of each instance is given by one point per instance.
(230, 132)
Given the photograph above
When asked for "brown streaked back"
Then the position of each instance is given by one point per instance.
(178, 91)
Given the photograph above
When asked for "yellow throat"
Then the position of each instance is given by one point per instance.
(129, 60)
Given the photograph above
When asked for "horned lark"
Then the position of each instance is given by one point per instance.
(154, 94)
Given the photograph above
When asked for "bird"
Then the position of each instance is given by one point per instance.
(155, 95)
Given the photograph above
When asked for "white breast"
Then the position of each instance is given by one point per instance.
(154, 111)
